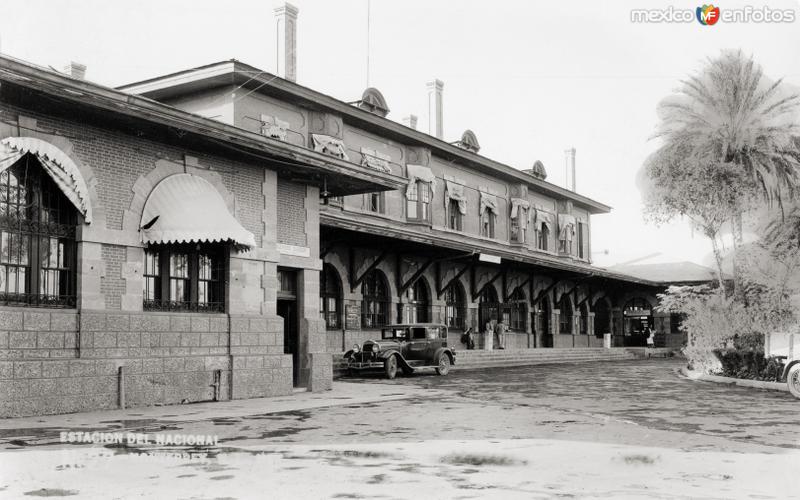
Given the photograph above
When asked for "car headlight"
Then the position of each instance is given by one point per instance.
(376, 348)
(356, 348)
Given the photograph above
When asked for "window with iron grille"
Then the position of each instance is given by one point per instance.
(330, 297)
(374, 300)
(418, 201)
(455, 306)
(37, 239)
(185, 277)
(454, 215)
(518, 311)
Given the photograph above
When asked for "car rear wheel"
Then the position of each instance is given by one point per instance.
(443, 368)
(793, 380)
(390, 367)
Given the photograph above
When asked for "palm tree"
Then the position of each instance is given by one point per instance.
(730, 114)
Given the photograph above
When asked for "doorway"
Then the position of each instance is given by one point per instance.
(287, 309)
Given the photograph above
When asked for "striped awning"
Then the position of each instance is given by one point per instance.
(186, 208)
(56, 163)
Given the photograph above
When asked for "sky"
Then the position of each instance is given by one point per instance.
(530, 78)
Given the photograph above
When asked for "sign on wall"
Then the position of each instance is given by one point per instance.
(352, 317)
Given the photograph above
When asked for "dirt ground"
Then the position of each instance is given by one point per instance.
(633, 429)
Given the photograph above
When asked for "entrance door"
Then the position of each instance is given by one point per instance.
(287, 309)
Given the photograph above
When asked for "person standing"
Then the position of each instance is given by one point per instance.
(651, 337)
(500, 331)
(489, 335)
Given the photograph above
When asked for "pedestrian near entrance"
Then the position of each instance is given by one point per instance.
(500, 331)
(651, 337)
(468, 339)
(489, 335)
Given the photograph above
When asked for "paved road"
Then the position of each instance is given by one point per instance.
(618, 429)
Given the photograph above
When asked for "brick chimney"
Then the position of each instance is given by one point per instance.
(570, 160)
(410, 121)
(286, 24)
(76, 70)
(435, 110)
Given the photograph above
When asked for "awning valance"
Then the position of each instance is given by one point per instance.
(542, 217)
(329, 146)
(375, 159)
(455, 192)
(56, 163)
(488, 201)
(566, 227)
(517, 204)
(419, 173)
(186, 208)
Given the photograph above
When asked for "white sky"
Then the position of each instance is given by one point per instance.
(529, 78)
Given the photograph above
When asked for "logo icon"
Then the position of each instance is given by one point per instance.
(708, 15)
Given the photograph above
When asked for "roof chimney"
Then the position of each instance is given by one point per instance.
(286, 23)
(435, 111)
(410, 121)
(570, 160)
(76, 70)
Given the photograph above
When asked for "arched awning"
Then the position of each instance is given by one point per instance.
(185, 208)
(56, 163)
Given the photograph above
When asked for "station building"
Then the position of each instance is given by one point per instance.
(224, 233)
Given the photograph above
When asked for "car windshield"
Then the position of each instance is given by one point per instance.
(392, 333)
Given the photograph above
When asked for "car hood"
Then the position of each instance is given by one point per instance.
(385, 344)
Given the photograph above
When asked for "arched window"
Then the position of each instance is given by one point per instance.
(417, 302)
(602, 318)
(565, 316)
(455, 306)
(37, 238)
(374, 300)
(517, 310)
(330, 297)
(488, 306)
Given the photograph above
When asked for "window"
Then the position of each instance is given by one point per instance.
(602, 317)
(584, 323)
(565, 316)
(455, 306)
(488, 306)
(375, 203)
(330, 297)
(519, 228)
(453, 215)
(518, 311)
(417, 302)
(374, 300)
(581, 252)
(186, 277)
(37, 238)
(544, 237)
(418, 201)
(487, 224)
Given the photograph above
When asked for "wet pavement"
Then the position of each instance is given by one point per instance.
(617, 429)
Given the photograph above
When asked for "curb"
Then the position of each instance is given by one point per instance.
(756, 384)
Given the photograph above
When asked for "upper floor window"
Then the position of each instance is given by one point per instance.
(37, 238)
(418, 201)
(543, 237)
(376, 202)
(581, 249)
(374, 300)
(184, 277)
(330, 297)
(487, 224)
(519, 230)
(454, 215)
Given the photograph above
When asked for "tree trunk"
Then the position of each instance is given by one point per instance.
(736, 232)
(718, 260)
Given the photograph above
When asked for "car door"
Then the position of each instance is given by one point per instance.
(435, 341)
(417, 343)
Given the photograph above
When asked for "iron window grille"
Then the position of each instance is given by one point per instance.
(185, 277)
(455, 307)
(374, 300)
(38, 253)
(518, 311)
(417, 303)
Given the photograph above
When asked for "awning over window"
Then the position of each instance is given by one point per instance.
(566, 227)
(419, 173)
(329, 146)
(375, 159)
(56, 163)
(517, 204)
(455, 192)
(542, 217)
(186, 208)
(488, 201)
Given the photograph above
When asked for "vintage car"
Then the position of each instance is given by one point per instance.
(786, 347)
(406, 347)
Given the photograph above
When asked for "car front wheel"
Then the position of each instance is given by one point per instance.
(793, 380)
(390, 367)
(443, 368)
